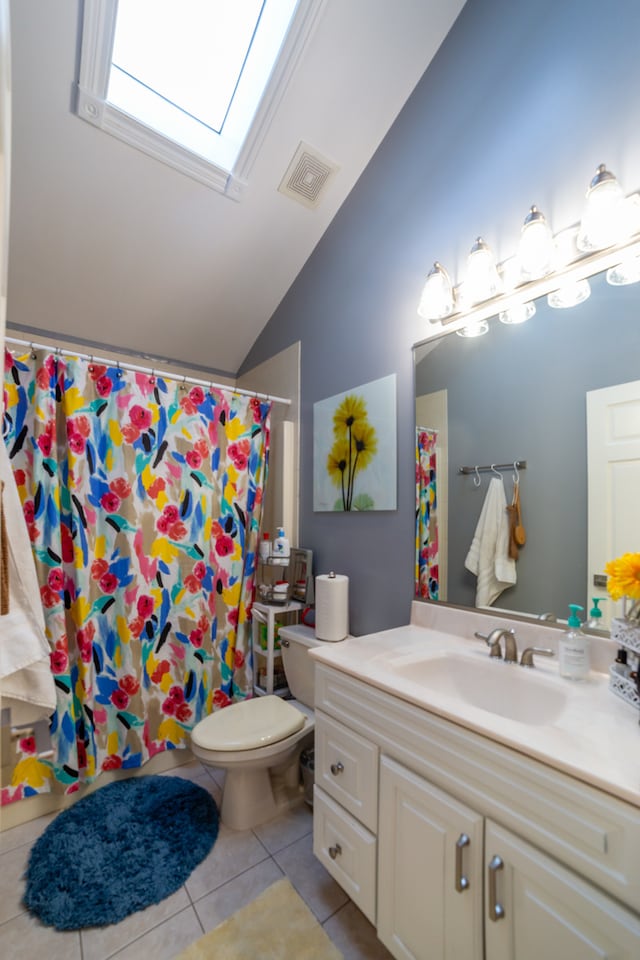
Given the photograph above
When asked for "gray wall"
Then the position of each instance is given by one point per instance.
(519, 393)
(520, 105)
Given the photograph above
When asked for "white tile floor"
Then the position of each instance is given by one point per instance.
(240, 866)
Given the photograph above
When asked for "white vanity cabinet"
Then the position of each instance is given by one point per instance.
(460, 847)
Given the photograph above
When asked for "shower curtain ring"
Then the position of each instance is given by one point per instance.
(477, 480)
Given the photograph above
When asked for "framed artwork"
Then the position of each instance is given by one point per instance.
(354, 449)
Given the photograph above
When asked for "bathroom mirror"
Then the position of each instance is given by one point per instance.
(520, 393)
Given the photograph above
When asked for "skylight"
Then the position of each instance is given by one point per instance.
(194, 74)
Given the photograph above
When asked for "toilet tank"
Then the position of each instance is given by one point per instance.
(299, 667)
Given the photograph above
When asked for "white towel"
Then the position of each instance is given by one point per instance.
(26, 681)
(488, 555)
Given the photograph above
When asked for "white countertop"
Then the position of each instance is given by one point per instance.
(596, 737)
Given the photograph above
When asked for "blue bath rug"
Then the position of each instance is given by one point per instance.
(118, 850)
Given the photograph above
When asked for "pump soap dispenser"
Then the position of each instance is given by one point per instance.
(595, 615)
(574, 648)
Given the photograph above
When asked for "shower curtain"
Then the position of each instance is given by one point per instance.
(426, 567)
(142, 497)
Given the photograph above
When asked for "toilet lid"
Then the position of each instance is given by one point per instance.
(248, 724)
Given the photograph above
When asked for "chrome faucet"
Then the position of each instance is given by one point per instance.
(493, 642)
(527, 655)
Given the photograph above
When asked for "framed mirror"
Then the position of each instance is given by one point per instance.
(523, 392)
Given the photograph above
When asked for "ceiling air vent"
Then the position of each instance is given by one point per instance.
(307, 176)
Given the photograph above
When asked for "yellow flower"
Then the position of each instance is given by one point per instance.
(624, 576)
(365, 443)
(337, 461)
(351, 411)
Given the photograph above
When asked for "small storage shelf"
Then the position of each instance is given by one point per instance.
(269, 676)
(625, 634)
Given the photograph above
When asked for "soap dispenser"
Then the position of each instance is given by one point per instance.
(574, 648)
(595, 615)
(281, 549)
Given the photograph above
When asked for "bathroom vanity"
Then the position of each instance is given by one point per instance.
(496, 819)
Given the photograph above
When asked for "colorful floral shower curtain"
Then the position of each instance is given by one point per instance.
(426, 575)
(143, 498)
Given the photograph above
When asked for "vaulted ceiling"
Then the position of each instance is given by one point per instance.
(110, 247)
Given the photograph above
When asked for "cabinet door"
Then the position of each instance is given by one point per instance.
(429, 870)
(548, 911)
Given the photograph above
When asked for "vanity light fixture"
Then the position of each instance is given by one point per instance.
(520, 313)
(483, 280)
(557, 267)
(570, 295)
(536, 251)
(603, 219)
(437, 297)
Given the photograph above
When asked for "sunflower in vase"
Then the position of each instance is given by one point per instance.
(623, 583)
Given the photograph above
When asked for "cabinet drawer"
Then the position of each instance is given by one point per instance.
(347, 768)
(347, 850)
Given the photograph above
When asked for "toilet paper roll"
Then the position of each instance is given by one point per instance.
(332, 607)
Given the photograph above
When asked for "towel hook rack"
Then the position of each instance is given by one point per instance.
(495, 467)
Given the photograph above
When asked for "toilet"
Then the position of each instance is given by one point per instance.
(258, 741)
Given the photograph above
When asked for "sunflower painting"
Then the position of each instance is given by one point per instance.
(354, 449)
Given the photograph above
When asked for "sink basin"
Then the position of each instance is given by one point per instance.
(507, 690)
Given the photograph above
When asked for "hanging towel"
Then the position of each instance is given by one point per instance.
(26, 681)
(488, 556)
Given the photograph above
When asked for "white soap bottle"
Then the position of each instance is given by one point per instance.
(264, 548)
(574, 648)
(281, 549)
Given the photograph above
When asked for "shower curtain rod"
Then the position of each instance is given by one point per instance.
(151, 371)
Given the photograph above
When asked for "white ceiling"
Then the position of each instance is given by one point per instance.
(111, 247)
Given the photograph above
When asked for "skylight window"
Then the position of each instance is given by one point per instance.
(187, 81)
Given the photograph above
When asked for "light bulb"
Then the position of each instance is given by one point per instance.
(483, 280)
(570, 295)
(627, 271)
(518, 314)
(437, 300)
(536, 249)
(603, 219)
(477, 329)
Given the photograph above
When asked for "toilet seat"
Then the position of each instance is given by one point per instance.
(248, 725)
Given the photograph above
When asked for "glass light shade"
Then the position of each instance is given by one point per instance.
(518, 314)
(628, 271)
(477, 329)
(483, 280)
(604, 221)
(436, 301)
(570, 295)
(536, 250)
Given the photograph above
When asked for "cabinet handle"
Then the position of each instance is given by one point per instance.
(496, 910)
(336, 768)
(462, 882)
(335, 850)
